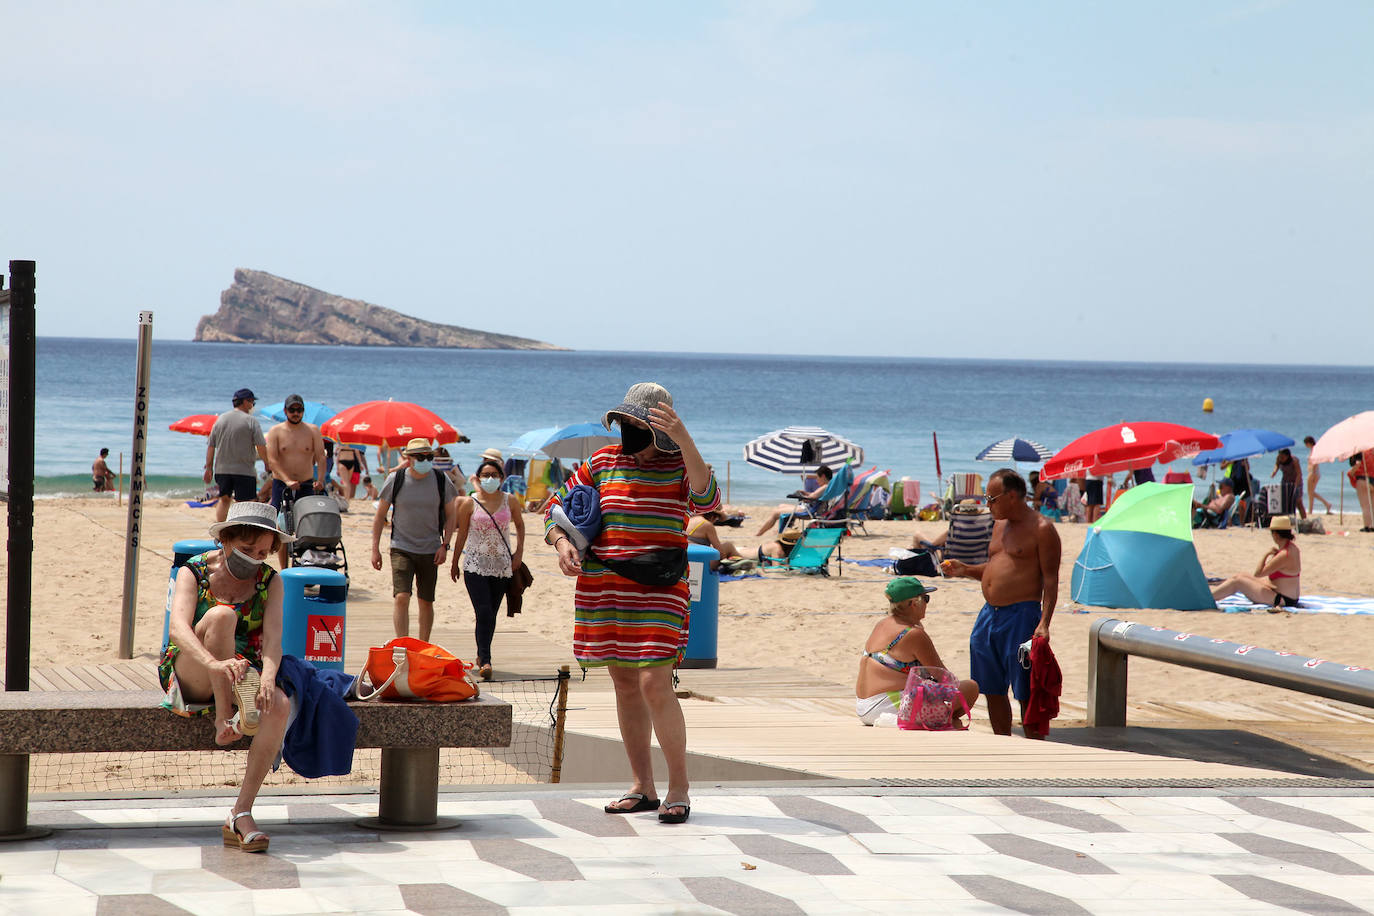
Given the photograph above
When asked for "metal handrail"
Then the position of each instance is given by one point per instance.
(1110, 641)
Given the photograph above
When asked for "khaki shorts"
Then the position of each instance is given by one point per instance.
(418, 568)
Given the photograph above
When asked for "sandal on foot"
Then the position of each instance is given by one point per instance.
(246, 693)
(668, 817)
(232, 725)
(642, 802)
(256, 841)
(484, 671)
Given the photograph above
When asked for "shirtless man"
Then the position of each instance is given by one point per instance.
(1020, 585)
(101, 475)
(297, 452)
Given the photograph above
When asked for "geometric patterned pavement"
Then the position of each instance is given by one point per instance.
(745, 850)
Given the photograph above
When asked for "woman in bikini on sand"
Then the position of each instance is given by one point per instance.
(1275, 581)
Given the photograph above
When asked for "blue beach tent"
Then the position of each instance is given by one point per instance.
(1141, 554)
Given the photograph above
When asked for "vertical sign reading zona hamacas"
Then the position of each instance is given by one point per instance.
(136, 485)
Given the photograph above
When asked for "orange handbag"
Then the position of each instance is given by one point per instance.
(410, 669)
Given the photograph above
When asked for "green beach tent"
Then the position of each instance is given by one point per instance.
(1141, 554)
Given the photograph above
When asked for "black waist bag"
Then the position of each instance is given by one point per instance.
(922, 564)
(658, 568)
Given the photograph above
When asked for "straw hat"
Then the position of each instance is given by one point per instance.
(417, 447)
(790, 536)
(1281, 523)
(254, 515)
(493, 454)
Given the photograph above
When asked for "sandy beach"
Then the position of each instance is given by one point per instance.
(812, 623)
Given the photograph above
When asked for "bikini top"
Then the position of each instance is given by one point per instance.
(887, 661)
(1277, 574)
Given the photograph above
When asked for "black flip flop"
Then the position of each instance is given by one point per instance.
(668, 817)
(642, 803)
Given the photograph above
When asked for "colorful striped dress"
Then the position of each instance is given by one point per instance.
(643, 507)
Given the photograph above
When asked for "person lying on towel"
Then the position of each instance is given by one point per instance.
(897, 644)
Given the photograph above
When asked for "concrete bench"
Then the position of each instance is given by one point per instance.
(1111, 642)
(74, 722)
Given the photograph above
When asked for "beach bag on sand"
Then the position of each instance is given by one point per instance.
(410, 669)
(920, 563)
(931, 700)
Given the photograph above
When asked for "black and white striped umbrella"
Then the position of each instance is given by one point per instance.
(800, 450)
(1014, 449)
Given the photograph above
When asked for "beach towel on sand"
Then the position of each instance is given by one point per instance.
(1309, 604)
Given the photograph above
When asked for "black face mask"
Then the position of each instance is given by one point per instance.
(634, 439)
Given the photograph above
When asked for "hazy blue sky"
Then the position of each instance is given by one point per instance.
(1150, 180)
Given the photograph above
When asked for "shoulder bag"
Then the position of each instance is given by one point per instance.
(410, 669)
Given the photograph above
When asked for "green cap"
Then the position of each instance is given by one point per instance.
(904, 587)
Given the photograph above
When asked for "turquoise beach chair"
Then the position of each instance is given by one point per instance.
(812, 553)
(831, 500)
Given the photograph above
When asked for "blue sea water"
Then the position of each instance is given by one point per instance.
(889, 406)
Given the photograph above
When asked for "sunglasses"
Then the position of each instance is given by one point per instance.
(423, 456)
(295, 410)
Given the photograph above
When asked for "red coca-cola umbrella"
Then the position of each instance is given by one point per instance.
(389, 423)
(197, 424)
(1126, 447)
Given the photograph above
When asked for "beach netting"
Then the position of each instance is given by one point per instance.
(538, 712)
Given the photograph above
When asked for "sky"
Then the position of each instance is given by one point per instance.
(1164, 181)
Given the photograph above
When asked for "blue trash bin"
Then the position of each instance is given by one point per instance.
(181, 552)
(312, 625)
(705, 608)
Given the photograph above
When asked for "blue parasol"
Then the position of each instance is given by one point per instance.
(1244, 443)
(578, 441)
(529, 444)
(315, 412)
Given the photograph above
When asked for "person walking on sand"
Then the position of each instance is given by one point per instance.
(631, 600)
(421, 532)
(297, 452)
(1314, 474)
(101, 475)
(235, 440)
(488, 560)
(1020, 586)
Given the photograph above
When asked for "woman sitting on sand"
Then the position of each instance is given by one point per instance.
(224, 648)
(897, 644)
(1275, 581)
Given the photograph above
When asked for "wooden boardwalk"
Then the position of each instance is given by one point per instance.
(783, 718)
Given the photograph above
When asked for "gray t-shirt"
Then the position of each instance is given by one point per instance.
(415, 525)
(236, 436)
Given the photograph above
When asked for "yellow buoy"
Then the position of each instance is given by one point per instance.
(1206, 405)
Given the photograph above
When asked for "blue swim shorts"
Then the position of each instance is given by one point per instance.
(992, 645)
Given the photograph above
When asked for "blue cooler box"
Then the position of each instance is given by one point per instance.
(705, 608)
(313, 624)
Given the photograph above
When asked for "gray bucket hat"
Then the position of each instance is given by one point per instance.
(638, 400)
(255, 515)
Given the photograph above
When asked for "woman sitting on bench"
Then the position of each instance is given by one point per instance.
(224, 648)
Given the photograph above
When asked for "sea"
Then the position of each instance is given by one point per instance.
(896, 409)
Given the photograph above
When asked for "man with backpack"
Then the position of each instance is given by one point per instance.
(422, 524)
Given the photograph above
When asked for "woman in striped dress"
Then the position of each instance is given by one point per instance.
(648, 486)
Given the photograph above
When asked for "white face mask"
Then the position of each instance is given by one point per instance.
(489, 484)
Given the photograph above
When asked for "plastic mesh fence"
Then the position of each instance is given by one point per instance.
(530, 758)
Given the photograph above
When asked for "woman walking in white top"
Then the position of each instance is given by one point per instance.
(487, 557)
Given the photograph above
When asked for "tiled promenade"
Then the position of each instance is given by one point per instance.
(745, 850)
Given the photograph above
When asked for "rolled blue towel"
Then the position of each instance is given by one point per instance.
(579, 516)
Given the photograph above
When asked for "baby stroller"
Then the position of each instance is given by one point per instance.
(318, 525)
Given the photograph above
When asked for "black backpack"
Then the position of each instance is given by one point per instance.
(401, 476)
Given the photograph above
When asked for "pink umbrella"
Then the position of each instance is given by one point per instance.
(1351, 435)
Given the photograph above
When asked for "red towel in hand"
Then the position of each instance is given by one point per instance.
(1046, 683)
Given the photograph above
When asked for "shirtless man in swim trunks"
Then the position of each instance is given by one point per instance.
(297, 452)
(1020, 585)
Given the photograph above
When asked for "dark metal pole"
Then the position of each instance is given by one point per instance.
(22, 360)
(136, 485)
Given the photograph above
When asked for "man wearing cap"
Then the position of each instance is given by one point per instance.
(1020, 585)
(236, 441)
(422, 526)
(297, 452)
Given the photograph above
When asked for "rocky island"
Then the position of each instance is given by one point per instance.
(262, 308)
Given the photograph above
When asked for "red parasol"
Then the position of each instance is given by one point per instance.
(1127, 446)
(197, 424)
(389, 423)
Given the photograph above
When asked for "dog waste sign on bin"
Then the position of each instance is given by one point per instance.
(313, 625)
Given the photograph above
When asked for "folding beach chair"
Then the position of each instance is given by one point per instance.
(962, 487)
(856, 505)
(829, 505)
(812, 553)
(970, 533)
(899, 506)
